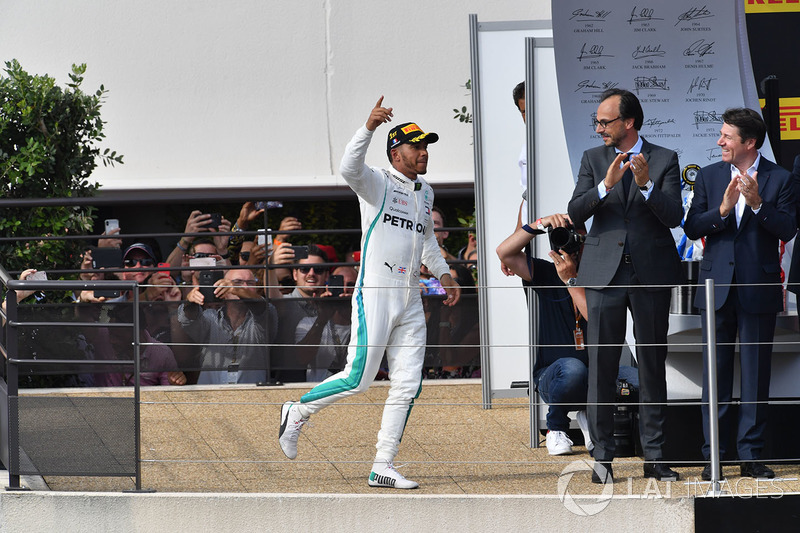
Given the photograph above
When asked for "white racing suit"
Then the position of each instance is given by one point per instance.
(387, 309)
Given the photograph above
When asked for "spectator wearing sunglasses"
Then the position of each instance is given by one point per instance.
(196, 223)
(136, 257)
(310, 277)
(201, 247)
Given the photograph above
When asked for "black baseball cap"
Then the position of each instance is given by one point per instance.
(408, 133)
(140, 246)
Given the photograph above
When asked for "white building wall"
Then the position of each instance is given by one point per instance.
(254, 92)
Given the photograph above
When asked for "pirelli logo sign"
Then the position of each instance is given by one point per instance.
(771, 6)
(789, 118)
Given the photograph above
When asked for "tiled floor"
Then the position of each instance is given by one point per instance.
(197, 439)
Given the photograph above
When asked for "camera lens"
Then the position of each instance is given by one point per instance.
(559, 238)
(566, 239)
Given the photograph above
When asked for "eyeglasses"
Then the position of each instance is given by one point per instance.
(200, 255)
(244, 256)
(316, 269)
(144, 261)
(240, 282)
(602, 123)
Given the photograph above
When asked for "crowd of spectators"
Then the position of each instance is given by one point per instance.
(232, 303)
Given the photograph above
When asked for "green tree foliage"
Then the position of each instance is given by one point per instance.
(463, 114)
(48, 149)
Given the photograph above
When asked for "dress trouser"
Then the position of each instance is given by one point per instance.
(756, 332)
(388, 320)
(606, 326)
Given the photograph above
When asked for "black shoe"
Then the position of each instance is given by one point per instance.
(602, 473)
(660, 471)
(706, 474)
(757, 470)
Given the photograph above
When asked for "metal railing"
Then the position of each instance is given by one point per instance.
(20, 439)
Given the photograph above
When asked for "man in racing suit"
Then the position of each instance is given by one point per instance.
(387, 314)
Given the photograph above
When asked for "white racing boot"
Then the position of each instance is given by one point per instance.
(384, 475)
(291, 423)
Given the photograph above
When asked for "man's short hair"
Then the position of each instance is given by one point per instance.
(203, 240)
(629, 106)
(519, 93)
(313, 249)
(749, 123)
(441, 214)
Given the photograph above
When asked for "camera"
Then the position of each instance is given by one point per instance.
(566, 239)
(626, 419)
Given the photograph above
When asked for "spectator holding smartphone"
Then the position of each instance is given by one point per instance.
(232, 332)
(310, 278)
(199, 222)
(322, 340)
(249, 213)
(21, 295)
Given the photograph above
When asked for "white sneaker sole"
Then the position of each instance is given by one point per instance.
(560, 452)
(386, 482)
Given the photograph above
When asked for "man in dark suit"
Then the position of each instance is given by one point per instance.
(743, 206)
(632, 189)
(794, 270)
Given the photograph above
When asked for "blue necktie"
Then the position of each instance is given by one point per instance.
(627, 178)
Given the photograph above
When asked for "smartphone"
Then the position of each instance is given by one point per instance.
(164, 265)
(300, 252)
(216, 220)
(261, 238)
(336, 285)
(260, 205)
(111, 224)
(207, 278)
(38, 276)
(202, 262)
(107, 293)
(106, 258)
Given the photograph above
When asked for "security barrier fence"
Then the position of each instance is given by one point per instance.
(121, 342)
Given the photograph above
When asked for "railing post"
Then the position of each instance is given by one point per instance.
(136, 388)
(12, 376)
(713, 407)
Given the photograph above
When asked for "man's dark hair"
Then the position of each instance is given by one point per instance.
(202, 240)
(313, 249)
(749, 123)
(629, 106)
(441, 213)
(519, 93)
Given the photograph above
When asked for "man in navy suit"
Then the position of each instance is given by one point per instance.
(743, 206)
(794, 270)
(632, 189)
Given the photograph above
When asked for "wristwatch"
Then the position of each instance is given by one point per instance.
(647, 185)
(572, 282)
